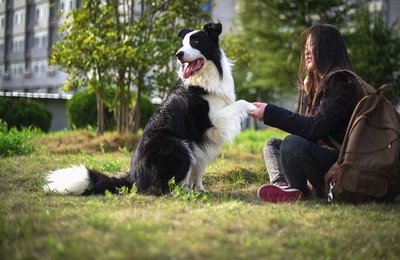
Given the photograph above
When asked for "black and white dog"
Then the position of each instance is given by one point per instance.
(184, 134)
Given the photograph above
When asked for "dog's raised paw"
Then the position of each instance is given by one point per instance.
(251, 108)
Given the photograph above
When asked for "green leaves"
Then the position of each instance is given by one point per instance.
(268, 33)
(374, 47)
(16, 142)
(124, 48)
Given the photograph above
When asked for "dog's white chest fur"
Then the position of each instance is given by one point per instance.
(204, 64)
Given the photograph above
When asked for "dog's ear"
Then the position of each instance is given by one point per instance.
(213, 30)
(183, 32)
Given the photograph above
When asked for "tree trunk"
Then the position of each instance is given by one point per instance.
(135, 118)
(134, 122)
(123, 103)
(100, 112)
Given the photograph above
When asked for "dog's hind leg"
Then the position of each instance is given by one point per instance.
(159, 160)
(186, 181)
(195, 180)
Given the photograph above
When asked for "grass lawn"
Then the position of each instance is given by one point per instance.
(227, 223)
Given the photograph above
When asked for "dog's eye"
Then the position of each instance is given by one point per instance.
(194, 42)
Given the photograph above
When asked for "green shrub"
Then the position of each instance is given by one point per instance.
(15, 142)
(146, 110)
(22, 113)
(3, 126)
(82, 110)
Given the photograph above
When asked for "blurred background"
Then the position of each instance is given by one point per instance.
(108, 63)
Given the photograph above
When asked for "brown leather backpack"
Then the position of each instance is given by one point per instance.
(368, 165)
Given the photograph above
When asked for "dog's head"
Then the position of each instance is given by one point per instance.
(200, 51)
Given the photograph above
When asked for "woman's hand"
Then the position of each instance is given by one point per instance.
(259, 112)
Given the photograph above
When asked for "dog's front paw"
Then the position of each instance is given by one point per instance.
(248, 107)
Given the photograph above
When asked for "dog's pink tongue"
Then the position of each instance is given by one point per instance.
(192, 67)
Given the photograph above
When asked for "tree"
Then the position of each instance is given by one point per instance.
(374, 47)
(267, 30)
(82, 52)
(267, 51)
(154, 34)
(124, 44)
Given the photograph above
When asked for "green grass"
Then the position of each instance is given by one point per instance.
(227, 223)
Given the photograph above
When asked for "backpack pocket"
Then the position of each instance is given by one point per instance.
(366, 184)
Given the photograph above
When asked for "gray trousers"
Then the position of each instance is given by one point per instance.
(295, 160)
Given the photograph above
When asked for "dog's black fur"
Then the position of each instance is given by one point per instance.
(180, 138)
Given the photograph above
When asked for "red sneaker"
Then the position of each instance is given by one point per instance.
(273, 193)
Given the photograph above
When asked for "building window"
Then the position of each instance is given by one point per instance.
(39, 67)
(61, 5)
(36, 42)
(2, 21)
(19, 18)
(16, 16)
(44, 41)
(18, 45)
(37, 13)
(41, 13)
(71, 4)
(40, 40)
(17, 70)
(36, 70)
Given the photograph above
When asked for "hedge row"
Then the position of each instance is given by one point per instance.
(82, 111)
(21, 113)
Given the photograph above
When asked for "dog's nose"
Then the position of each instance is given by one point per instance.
(180, 55)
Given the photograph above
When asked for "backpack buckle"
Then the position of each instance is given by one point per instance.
(330, 193)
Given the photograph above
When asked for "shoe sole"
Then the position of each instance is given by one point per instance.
(272, 193)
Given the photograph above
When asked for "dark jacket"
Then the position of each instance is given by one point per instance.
(340, 95)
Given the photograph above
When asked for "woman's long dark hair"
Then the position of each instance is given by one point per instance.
(330, 54)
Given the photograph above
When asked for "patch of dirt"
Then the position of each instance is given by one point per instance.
(87, 141)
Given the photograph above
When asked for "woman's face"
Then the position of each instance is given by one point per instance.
(308, 55)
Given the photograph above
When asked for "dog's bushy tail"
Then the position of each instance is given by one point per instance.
(83, 181)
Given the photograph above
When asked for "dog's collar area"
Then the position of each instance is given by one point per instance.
(191, 68)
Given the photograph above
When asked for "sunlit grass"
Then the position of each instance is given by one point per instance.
(229, 222)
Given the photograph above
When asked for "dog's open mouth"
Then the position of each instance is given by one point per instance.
(192, 67)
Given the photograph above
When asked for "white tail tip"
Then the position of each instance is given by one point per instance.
(73, 180)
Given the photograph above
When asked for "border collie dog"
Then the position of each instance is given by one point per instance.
(185, 133)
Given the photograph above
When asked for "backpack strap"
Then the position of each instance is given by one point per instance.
(368, 90)
(385, 87)
(335, 143)
(387, 90)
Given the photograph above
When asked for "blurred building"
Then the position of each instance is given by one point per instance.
(28, 29)
(224, 11)
(391, 9)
